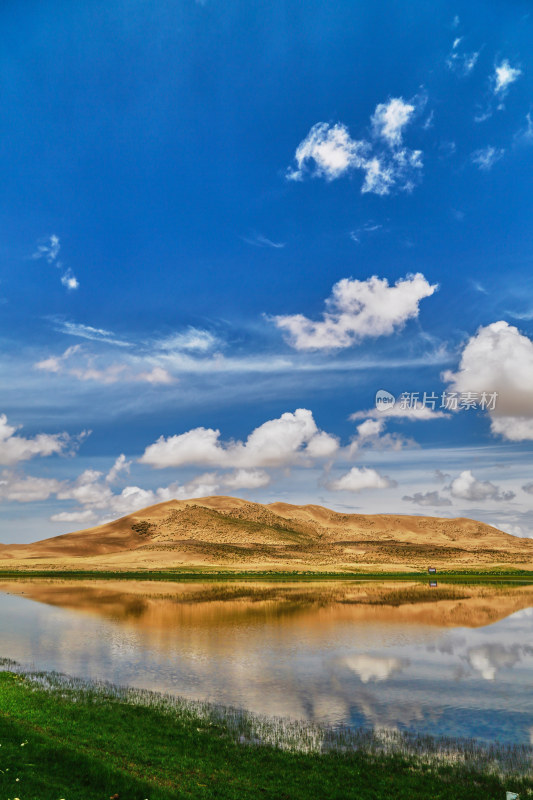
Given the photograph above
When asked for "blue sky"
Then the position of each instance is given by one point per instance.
(226, 226)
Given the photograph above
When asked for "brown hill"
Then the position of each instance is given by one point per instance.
(230, 533)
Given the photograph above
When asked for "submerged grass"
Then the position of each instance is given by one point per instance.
(62, 737)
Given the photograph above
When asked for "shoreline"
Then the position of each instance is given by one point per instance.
(511, 577)
(205, 750)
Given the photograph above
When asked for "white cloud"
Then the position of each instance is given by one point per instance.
(498, 358)
(515, 429)
(74, 516)
(258, 240)
(156, 376)
(360, 478)
(245, 479)
(357, 310)
(48, 248)
(528, 487)
(193, 339)
(69, 280)
(367, 228)
(525, 135)
(292, 438)
(88, 332)
(328, 151)
(431, 499)
(489, 659)
(418, 413)
(459, 61)
(374, 668)
(26, 489)
(14, 449)
(486, 157)
(389, 119)
(467, 487)
(120, 465)
(86, 370)
(370, 433)
(504, 76)
(332, 151)
(93, 494)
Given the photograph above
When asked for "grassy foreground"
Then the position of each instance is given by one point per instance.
(61, 738)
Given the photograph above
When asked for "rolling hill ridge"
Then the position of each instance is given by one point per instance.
(231, 533)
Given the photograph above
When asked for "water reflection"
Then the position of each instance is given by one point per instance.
(449, 659)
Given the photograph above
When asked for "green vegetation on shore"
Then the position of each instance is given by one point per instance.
(63, 738)
(189, 574)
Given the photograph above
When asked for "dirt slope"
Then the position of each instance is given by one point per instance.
(231, 533)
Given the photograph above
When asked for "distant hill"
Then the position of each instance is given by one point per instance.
(230, 533)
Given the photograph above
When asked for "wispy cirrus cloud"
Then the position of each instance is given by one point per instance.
(367, 229)
(486, 157)
(82, 331)
(195, 340)
(460, 61)
(76, 363)
(258, 240)
(48, 249)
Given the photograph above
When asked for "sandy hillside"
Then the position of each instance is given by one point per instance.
(233, 534)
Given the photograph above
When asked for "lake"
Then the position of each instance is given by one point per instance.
(450, 660)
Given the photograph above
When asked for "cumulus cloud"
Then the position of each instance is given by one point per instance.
(69, 280)
(290, 439)
(245, 479)
(467, 487)
(528, 487)
(357, 310)
(14, 449)
(328, 151)
(504, 76)
(428, 499)
(498, 358)
(486, 157)
(371, 433)
(95, 498)
(360, 478)
(389, 120)
(120, 465)
(26, 489)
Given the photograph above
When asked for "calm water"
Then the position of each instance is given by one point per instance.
(457, 665)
